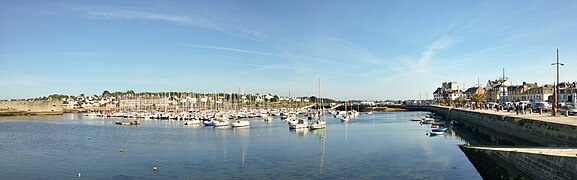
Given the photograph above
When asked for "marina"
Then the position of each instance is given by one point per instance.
(63, 146)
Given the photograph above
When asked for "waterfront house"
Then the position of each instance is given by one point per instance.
(438, 94)
(473, 90)
(448, 90)
(567, 92)
(496, 89)
(518, 92)
(540, 94)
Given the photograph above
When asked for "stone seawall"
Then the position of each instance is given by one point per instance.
(544, 133)
(537, 163)
(15, 108)
(546, 162)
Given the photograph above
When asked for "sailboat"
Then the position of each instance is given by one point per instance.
(320, 122)
(345, 116)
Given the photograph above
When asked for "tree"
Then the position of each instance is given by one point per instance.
(477, 98)
(460, 100)
(106, 93)
(57, 96)
(449, 100)
(312, 99)
(441, 101)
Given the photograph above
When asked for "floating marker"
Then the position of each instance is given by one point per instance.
(154, 169)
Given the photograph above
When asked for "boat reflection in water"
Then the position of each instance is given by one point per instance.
(243, 135)
(322, 142)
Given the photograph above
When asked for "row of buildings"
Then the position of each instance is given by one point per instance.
(501, 90)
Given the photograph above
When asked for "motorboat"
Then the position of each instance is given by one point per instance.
(241, 123)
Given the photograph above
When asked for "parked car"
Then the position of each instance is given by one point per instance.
(543, 106)
(570, 108)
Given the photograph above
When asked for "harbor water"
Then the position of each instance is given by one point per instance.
(377, 146)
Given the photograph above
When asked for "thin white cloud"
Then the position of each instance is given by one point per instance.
(233, 50)
(192, 20)
(423, 64)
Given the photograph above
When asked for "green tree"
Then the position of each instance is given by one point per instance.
(460, 100)
(57, 96)
(477, 98)
(441, 101)
(449, 100)
(106, 93)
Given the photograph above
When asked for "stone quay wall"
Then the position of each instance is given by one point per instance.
(545, 133)
(534, 165)
(15, 108)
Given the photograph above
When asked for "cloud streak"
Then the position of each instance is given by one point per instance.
(423, 64)
(189, 20)
(233, 50)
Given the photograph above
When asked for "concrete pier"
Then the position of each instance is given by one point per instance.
(537, 163)
(542, 129)
(556, 136)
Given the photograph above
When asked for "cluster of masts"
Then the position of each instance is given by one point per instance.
(236, 118)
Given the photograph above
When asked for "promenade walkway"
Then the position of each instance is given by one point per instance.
(560, 119)
(566, 152)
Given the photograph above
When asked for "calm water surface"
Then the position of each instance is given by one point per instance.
(377, 146)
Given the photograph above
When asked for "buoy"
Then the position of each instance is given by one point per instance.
(154, 169)
(121, 150)
(79, 174)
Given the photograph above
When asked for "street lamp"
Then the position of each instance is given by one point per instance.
(556, 89)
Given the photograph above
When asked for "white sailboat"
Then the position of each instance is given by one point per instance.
(320, 122)
(345, 116)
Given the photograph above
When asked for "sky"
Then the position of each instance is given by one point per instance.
(366, 50)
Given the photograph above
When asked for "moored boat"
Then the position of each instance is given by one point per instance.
(193, 122)
(241, 123)
(438, 131)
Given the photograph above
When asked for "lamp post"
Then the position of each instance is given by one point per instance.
(555, 86)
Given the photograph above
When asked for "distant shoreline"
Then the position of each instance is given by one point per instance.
(25, 113)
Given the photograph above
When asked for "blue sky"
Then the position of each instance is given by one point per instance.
(374, 50)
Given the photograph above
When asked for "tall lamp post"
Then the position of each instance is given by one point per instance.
(555, 86)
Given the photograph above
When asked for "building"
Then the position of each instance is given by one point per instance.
(448, 90)
(473, 90)
(496, 89)
(450, 86)
(567, 92)
(540, 94)
(519, 92)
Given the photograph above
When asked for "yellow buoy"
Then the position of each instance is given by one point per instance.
(154, 169)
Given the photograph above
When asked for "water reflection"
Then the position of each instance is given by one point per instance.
(243, 136)
(322, 133)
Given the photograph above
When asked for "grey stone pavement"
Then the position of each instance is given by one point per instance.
(545, 116)
(568, 152)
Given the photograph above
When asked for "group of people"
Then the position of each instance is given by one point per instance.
(517, 107)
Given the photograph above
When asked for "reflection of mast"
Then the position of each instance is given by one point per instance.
(346, 132)
(244, 140)
(244, 150)
(322, 153)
